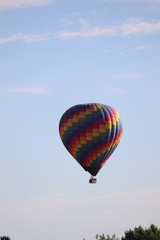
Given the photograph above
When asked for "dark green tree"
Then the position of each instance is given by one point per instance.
(140, 233)
(4, 238)
(102, 237)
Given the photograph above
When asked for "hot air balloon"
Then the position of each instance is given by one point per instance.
(91, 133)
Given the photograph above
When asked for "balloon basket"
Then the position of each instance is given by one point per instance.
(92, 180)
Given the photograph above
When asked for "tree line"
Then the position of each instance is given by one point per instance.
(4, 238)
(138, 233)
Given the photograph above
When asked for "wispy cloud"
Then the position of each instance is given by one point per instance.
(28, 38)
(132, 27)
(120, 91)
(128, 75)
(37, 211)
(36, 90)
(131, 1)
(123, 76)
(5, 4)
(34, 210)
(147, 47)
(70, 19)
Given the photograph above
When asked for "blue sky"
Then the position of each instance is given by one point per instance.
(55, 54)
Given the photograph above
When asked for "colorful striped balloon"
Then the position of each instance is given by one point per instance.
(91, 132)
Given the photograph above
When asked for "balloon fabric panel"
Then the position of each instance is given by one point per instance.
(91, 132)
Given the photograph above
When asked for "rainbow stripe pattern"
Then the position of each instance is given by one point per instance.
(91, 133)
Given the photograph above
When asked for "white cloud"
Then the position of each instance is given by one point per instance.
(132, 27)
(30, 90)
(120, 91)
(4, 4)
(121, 208)
(34, 210)
(124, 76)
(28, 38)
(151, 1)
(131, 1)
(86, 33)
(148, 47)
(68, 19)
(139, 27)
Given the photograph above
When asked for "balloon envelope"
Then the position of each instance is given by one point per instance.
(91, 132)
